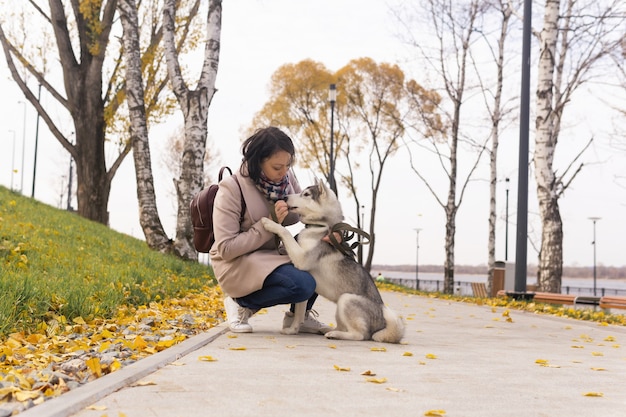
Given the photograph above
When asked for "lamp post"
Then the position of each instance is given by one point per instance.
(506, 230)
(23, 147)
(360, 237)
(594, 220)
(332, 97)
(13, 160)
(32, 193)
(417, 256)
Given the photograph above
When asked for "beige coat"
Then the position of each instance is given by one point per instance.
(244, 255)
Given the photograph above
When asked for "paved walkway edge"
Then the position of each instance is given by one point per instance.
(75, 400)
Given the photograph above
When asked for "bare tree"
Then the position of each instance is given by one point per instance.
(454, 28)
(575, 38)
(494, 103)
(195, 107)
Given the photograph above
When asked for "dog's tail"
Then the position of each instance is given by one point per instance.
(393, 331)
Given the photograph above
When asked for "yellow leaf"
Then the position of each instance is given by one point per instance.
(144, 383)
(332, 346)
(178, 363)
(376, 380)
(435, 413)
(207, 358)
(237, 348)
(79, 320)
(407, 354)
(506, 313)
(26, 395)
(379, 349)
(393, 389)
(598, 369)
(139, 343)
(368, 373)
(232, 336)
(431, 356)
(94, 366)
(97, 407)
(577, 347)
(597, 353)
(341, 368)
(609, 339)
(115, 365)
(593, 394)
(541, 361)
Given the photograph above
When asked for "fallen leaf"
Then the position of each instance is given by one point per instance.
(376, 380)
(407, 354)
(26, 395)
(237, 348)
(593, 394)
(144, 383)
(393, 389)
(341, 368)
(368, 373)
(598, 369)
(207, 358)
(541, 361)
(431, 356)
(332, 346)
(379, 349)
(178, 363)
(435, 413)
(97, 407)
(597, 353)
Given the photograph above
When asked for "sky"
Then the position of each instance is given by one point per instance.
(258, 36)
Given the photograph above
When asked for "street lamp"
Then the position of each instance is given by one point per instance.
(332, 97)
(594, 220)
(32, 193)
(417, 256)
(506, 230)
(23, 147)
(360, 237)
(13, 160)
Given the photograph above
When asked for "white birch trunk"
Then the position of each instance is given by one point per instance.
(551, 252)
(195, 107)
(496, 117)
(156, 237)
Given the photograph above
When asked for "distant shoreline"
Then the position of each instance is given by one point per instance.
(570, 272)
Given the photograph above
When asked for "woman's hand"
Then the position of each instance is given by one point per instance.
(282, 210)
(337, 236)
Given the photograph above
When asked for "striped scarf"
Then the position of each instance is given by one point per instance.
(273, 191)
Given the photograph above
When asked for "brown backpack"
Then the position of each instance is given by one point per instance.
(201, 209)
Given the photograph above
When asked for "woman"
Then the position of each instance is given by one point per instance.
(245, 259)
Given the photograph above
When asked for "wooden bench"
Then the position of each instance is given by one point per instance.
(553, 298)
(479, 289)
(613, 301)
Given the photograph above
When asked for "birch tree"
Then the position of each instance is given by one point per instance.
(149, 219)
(575, 38)
(92, 88)
(194, 104)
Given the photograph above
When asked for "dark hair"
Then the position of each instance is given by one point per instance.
(264, 143)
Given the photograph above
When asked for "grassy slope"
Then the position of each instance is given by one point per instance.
(53, 262)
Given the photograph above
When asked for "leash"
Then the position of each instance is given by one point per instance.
(347, 233)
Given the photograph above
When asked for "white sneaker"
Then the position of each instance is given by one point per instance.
(310, 325)
(237, 316)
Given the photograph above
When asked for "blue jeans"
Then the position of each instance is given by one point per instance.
(285, 285)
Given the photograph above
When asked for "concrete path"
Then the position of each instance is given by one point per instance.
(457, 359)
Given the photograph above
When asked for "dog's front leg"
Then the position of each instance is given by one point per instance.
(298, 319)
(296, 253)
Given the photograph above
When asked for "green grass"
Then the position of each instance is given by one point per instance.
(55, 263)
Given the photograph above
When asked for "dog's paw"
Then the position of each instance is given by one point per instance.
(333, 334)
(270, 225)
(290, 330)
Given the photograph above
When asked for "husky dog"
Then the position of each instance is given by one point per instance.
(361, 313)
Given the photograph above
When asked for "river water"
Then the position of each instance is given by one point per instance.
(433, 281)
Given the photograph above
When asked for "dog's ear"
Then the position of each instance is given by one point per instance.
(321, 186)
